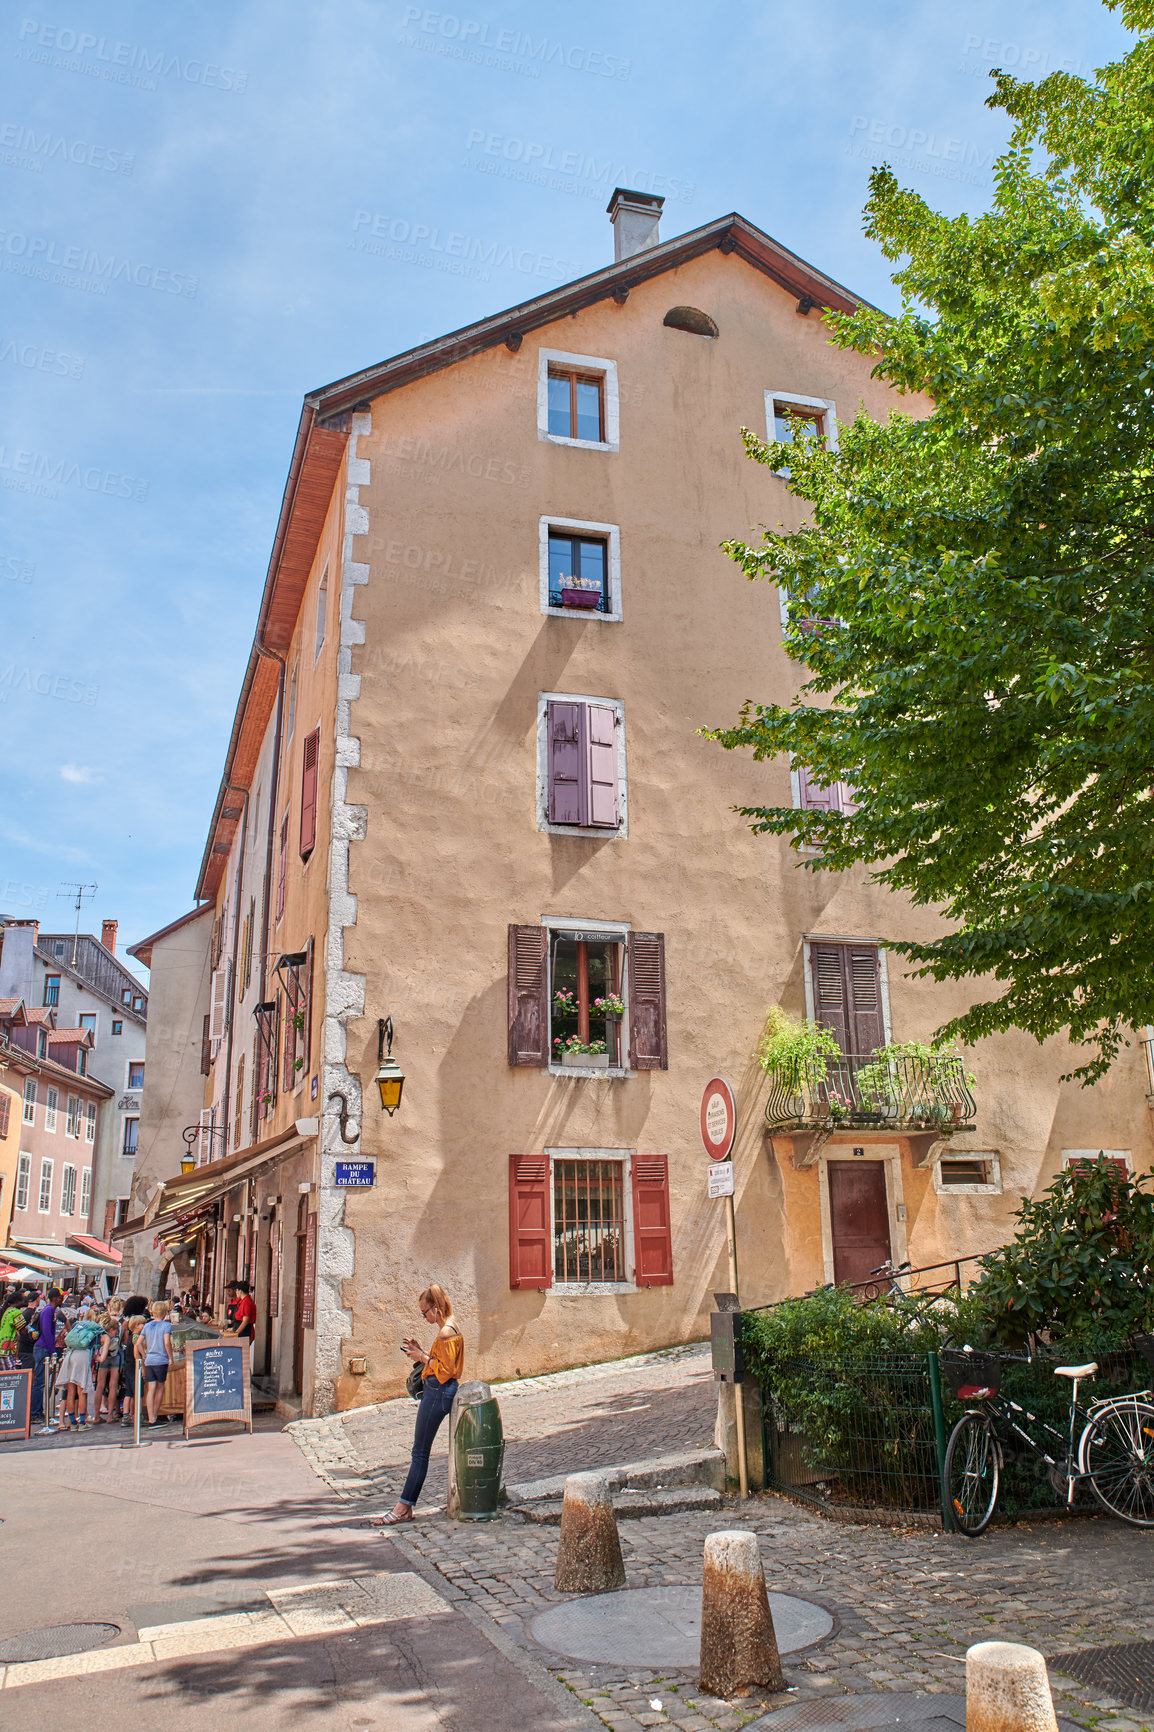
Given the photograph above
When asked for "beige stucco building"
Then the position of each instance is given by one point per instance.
(466, 790)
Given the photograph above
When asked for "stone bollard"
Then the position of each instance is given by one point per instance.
(738, 1643)
(589, 1553)
(1007, 1689)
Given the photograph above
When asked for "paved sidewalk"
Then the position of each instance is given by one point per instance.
(906, 1604)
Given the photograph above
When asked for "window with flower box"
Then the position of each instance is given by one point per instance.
(580, 566)
(587, 998)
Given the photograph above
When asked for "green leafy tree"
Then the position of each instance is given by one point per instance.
(973, 599)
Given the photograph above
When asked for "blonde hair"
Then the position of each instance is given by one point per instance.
(115, 1306)
(159, 1310)
(439, 1300)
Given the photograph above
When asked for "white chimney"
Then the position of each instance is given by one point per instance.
(635, 217)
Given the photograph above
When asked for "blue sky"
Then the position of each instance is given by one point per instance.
(209, 209)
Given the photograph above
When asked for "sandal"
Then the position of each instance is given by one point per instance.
(393, 1520)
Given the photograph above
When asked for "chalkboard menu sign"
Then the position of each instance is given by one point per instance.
(217, 1382)
(15, 1405)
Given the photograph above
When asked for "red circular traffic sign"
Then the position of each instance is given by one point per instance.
(718, 1118)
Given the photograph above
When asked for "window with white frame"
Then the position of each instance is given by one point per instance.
(131, 1131)
(23, 1178)
(136, 1074)
(29, 1113)
(810, 795)
(322, 614)
(580, 568)
(968, 1173)
(787, 416)
(86, 1192)
(589, 1225)
(68, 1191)
(74, 1105)
(88, 1021)
(577, 400)
(45, 1204)
(51, 1105)
(581, 789)
(90, 1122)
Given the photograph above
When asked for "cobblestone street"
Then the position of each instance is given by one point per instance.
(906, 1604)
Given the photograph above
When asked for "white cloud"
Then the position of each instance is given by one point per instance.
(80, 773)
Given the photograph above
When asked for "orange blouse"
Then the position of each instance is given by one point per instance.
(446, 1358)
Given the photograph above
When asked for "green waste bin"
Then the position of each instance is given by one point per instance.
(478, 1453)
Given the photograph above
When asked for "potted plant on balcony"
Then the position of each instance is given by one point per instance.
(907, 1079)
(580, 592)
(570, 1049)
(796, 1057)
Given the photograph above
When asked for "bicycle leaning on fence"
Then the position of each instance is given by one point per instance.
(1113, 1454)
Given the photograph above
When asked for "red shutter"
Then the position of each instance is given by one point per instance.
(282, 867)
(528, 995)
(5, 1109)
(530, 1258)
(652, 1229)
(865, 993)
(566, 766)
(648, 1043)
(601, 780)
(312, 748)
(305, 1039)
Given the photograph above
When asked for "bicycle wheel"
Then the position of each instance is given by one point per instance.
(1117, 1455)
(970, 1479)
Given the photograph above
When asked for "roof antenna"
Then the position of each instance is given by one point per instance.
(82, 891)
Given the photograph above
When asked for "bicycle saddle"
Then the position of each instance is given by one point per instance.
(1076, 1370)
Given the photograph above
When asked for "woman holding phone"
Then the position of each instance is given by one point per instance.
(441, 1369)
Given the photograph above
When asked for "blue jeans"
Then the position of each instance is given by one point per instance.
(436, 1401)
(39, 1360)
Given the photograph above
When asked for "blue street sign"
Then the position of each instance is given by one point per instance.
(355, 1172)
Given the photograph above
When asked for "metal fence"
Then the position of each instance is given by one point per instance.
(864, 1437)
(858, 1089)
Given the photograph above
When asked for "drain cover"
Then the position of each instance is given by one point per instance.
(659, 1626)
(905, 1711)
(55, 1641)
(1126, 1671)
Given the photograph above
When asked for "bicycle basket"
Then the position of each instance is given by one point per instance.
(971, 1376)
(1145, 1346)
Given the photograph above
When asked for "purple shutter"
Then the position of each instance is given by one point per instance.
(815, 798)
(601, 732)
(565, 763)
(847, 798)
(648, 1041)
(865, 997)
(528, 995)
(829, 991)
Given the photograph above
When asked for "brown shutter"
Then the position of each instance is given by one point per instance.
(648, 1042)
(5, 1109)
(305, 1041)
(829, 991)
(282, 867)
(528, 995)
(205, 1048)
(652, 1228)
(274, 1268)
(312, 749)
(530, 1259)
(865, 997)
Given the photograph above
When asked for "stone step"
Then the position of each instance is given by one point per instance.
(628, 1504)
(693, 1467)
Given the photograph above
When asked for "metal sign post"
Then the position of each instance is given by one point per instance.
(137, 1441)
(718, 1133)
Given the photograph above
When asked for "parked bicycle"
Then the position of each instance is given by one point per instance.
(1113, 1452)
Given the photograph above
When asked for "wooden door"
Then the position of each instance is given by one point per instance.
(859, 1218)
(299, 1305)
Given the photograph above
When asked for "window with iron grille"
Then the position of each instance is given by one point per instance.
(588, 1220)
(131, 1129)
(23, 1176)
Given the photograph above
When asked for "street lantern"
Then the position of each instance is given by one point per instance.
(390, 1076)
(188, 1163)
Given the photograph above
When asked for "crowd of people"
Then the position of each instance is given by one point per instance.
(94, 1346)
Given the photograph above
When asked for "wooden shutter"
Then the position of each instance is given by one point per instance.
(206, 1048)
(5, 1109)
(652, 1228)
(305, 1038)
(865, 994)
(219, 1002)
(274, 1268)
(312, 749)
(528, 995)
(813, 797)
(566, 763)
(530, 1252)
(847, 798)
(648, 1042)
(847, 994)
(601, 759)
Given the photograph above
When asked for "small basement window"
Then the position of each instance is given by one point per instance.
(978, 1170)
(690, 319)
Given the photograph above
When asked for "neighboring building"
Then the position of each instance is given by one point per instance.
(465, 789)
(82, 981)
(60, 1107)
(11, 1100)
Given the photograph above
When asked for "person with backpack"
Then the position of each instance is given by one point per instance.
(154, 1344)
(106, 1365)
(75, 1374)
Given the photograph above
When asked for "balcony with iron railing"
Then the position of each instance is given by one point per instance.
(859, 1091)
